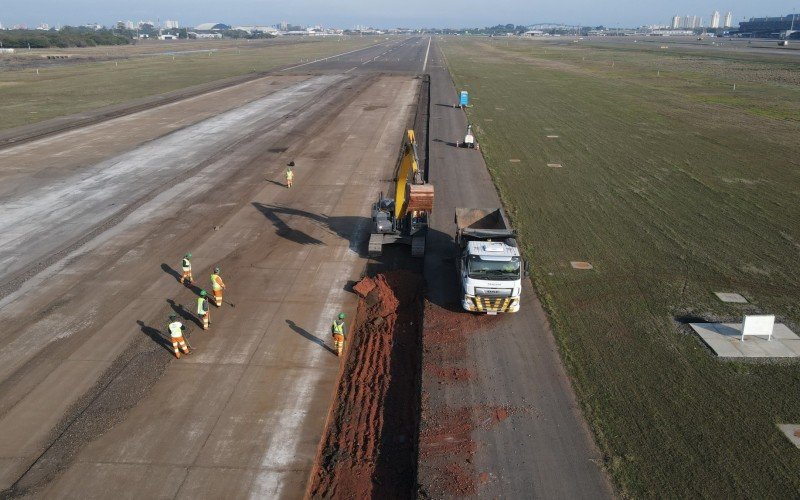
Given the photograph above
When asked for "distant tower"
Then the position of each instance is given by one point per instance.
(715, 19)
(676, 22)
(728, 20)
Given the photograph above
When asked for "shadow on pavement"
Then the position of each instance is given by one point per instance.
(446, 143)
(155, 335)
(175, 274)
(352, 228)
(184, 313)
(308, 336)
(281, 184)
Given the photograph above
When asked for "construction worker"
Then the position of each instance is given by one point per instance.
(203, 309)
(217, 286)
(186, 265)
(176, 335)
(337, 330)
(289, 174)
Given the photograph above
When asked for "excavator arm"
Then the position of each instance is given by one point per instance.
(411, 192)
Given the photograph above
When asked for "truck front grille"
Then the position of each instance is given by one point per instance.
(493, 304)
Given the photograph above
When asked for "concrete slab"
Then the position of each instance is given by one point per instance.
(731, 297)
(792, 432)
(725, 340)
(102, 480)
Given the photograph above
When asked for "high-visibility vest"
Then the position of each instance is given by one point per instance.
(175, 329)
(202, 305)
(289, 175)
(214, 284)
(338, 327)
(187, 266)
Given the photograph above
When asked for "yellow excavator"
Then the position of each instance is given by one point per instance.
(404, 218)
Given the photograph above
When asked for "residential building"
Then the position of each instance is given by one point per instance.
(171, 25)
(676, 22)
(728, 20)
(714, 20)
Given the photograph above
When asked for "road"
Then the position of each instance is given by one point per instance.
(92, 404)
(544, 449)
(97, 217)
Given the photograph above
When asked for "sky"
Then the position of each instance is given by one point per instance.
(384, 13)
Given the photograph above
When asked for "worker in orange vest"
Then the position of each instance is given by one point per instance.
(217, 286)
(203, 309)
(176, 335)
(289, 175)
(186, 266)
(338, 332)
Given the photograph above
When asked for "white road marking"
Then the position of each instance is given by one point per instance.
(330, 57)
(427, 51)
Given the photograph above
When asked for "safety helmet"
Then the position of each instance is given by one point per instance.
(216, 270)
(173, 316)
(203, 293)
(341, 315)
(189, 255)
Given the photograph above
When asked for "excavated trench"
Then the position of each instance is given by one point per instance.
(369, 446)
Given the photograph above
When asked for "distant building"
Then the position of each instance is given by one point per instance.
(43, 27)
(257, 29)
(211, 27)
(171, 25)
(714, 20)
(728, 20)
(676, 22)
(770, 27)
(167, 36)
(125, 25)
(93, 26)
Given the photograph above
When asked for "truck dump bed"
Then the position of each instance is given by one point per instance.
(483, 223)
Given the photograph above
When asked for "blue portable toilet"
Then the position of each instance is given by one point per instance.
(463, 98)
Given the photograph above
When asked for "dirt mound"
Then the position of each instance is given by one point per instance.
(369, 446)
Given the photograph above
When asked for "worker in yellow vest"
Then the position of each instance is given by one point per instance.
(176, 336)
(186, 266)
(337, 330)
(203, 309)
(289, 175)
(217, 286)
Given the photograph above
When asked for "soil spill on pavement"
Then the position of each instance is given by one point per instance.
(368, 449)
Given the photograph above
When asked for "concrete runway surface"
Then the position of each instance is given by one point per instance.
(91, 402)
(96, 219)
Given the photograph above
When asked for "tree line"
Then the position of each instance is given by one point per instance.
(65, 37)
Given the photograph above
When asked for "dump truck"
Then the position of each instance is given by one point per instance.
(489, 264)
(404, 218)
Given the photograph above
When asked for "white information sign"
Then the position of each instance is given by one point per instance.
(758, 325)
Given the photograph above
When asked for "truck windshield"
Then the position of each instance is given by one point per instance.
(479, 268)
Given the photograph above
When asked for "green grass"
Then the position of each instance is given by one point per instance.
(673, 187)
(60, 90)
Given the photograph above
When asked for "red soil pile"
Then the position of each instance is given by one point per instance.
(369, 446)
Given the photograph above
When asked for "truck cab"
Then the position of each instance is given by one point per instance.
(489, 265)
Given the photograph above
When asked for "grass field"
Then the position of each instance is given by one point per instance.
(133, 72)
(673, 186)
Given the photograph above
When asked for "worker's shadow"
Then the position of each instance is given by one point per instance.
(175, 274)
(312, 338)
(155, 335)
(183, 313)
(281, 184)
(446, 143)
